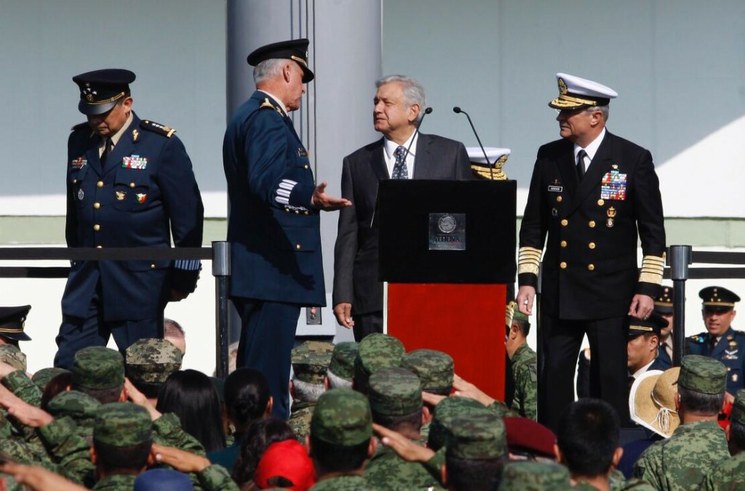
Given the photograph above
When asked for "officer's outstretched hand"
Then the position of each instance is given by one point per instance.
(325, 202)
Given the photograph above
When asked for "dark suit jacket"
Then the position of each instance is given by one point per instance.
(590, 265)
(356, 250)
(145, 194)
(273, 231)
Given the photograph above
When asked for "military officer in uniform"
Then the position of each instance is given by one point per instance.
(274, 223)
(594, 194)
(129, 184)
(720, 341)
(12, 320)
(663, 306)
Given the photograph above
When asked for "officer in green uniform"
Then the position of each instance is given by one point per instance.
(310, 360)
(524, 365)
(730, 473)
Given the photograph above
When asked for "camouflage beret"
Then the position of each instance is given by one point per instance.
(341, 417)
(122, 424)
(19, 451)
(738, 408)
(447, 411)
(13, 356)
(97, 367)
(434, 369)
(478, 436)
(152, 360)
(310, 360)
(394, 392)
(42, 377)
(80, 407)
(702, 374)
(534, 476)
(376, 351)
(342, 360)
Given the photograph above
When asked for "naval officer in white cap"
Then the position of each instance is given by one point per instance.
(594, 194)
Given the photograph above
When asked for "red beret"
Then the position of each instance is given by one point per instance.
(526, 435)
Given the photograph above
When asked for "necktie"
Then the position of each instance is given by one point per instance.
(399, 168)
(581, 164)
(107, 148)
(712, 344)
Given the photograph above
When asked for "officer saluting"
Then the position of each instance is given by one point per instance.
(720, 341)
(129, 184)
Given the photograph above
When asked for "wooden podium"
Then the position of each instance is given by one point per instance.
(447, 251)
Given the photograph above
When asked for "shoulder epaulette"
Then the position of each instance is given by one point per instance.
(79, 127)
(157, 128)
(266, 104)
(697, 338)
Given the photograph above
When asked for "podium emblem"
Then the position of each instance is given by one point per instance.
(447, 231)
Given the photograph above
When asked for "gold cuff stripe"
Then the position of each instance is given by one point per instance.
(529, 260)
(652, 269)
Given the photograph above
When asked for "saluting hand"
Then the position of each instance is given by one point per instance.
(326, 202)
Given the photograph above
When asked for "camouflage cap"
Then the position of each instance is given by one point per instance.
(395, 392)
(310, 360)
(13, 356)
(97, 367)
(738, 408)
(376, 351)
(534, 476)
(702, 374)
(342, 360)
(478, 436)
(446, 412)
(42, 377)
(122, 424)
(19, 451)
(434, 369)
(342, 417)
(152, 360)
(80, 407)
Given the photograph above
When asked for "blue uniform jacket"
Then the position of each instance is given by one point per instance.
(273, 230)
(146, 193)
(730, 350)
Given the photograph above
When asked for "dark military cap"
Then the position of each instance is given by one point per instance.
(395, 391)
(294, 49)
(651, 325)
(101, 89)
(122, 424)
(738, 408)
(447, 411)
(97, 367)
(718, 299)
(13, 356)
(152, 360)
(310, 360)
(80, 407)
(534, 476)
(664, 303)
(702, 374)
(163, 480)
(42, 377)
(12, 320)
(434, 369)
(478, 436)
(342, 417)
(342, 360)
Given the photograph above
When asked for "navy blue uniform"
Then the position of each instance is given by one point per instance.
(145, 194)
(728, 350)
(274, 235)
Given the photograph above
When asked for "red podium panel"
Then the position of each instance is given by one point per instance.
(466, 321)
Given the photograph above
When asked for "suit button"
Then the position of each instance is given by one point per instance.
(306, 166)
(591, 267)
(563, 243)
(152, 266)
(297, 246)
(591, 245)
(96, 205)
(96, 227)
(132, 185)
(74, 181)
(297, 212)
(591, 224)
(563, 265)
(564, 222)
(99, 247)
(559, 199)
(601, 202)
(99, 184)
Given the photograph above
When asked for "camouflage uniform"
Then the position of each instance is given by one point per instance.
(149, 362)
(342, 360)
(342, 417)
(42, 377)
(77, 405)
(683, 460)
(524, 370)
(13, 356)
(477, 437)
(396, 392)
(534, 476)
(310, 360)
(97, 367)
(619, 483)
(730, 474)
(435, 370)
(376, 351)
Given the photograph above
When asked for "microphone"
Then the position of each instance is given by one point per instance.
(426, 111)
(458, 110)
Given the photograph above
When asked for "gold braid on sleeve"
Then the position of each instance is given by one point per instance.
(652, 268)
(529, 260)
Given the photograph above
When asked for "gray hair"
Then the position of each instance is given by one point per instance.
(268, 69)
(603, 109)
(336, 382)
(413, 90)
(307, 392)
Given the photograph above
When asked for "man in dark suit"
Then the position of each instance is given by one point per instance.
(129, 184)
(402, 153)
(590, 193)
(721, 341)
(274, 225)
